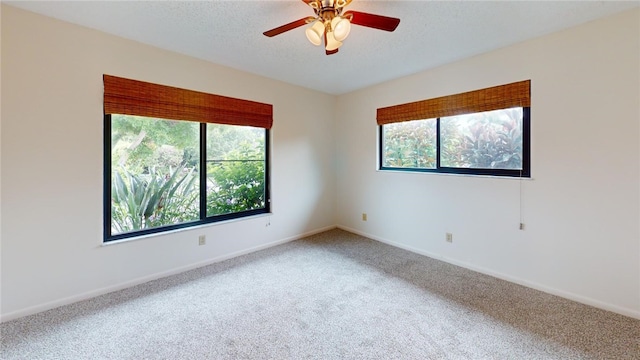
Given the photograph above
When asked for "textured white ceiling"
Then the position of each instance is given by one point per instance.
(431, 33)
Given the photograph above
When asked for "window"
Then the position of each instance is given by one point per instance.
(483, 132)
(163, 172)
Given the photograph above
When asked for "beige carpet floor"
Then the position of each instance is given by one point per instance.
(333, 295)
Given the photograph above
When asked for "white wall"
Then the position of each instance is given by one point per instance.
(581, 209)
(52, 164)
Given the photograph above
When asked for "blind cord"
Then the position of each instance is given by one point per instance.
(521, 225)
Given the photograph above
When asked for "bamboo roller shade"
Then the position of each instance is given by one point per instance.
(498, 97)
(133, 97)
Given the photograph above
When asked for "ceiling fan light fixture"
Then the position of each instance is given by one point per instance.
(341, 27)
(314, 33)
(332, 43)
(331, 24)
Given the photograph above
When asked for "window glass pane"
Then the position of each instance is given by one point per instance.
(236, 159)
(486, 140)
(410, 144)
(154, 173)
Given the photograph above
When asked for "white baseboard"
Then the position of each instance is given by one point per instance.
(141, 280)
(553, 291)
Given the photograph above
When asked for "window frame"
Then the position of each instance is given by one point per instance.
(525, 172)
(204, 219)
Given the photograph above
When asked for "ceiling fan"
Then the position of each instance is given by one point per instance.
(332, 25)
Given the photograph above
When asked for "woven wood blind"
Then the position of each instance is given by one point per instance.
(494, 98)
(132, 97)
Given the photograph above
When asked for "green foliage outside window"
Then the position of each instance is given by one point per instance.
(410, 144)
(141, 201)
(155, 171)
(487, 140)
(141, 143)
(235, 186)
(235, 169)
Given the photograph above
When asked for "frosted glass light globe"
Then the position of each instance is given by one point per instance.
(314, 33)
(332, 43)
(341, 27)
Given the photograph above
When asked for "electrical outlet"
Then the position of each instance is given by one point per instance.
(364, 216)
(202, 240)
(521, 226)
(449, 237)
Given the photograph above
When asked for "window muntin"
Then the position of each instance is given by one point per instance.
(485, 143)
(153, 181)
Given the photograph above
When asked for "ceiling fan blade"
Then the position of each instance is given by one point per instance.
(331, 52)
(290, 26)
(373, 21)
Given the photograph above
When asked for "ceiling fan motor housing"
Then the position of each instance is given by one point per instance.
(320, 4)
(329, 9)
